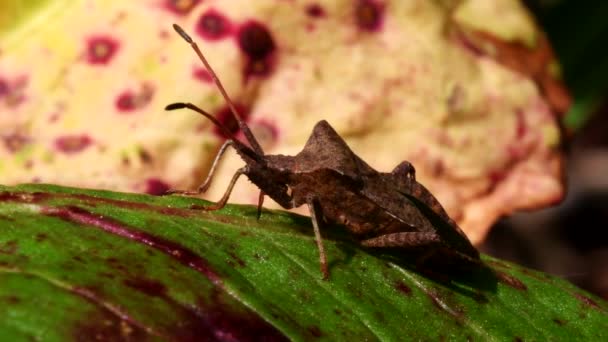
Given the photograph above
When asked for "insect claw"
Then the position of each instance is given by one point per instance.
(260, 204)
(325, 272)
(182, 33)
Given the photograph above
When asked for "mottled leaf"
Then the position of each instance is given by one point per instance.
(95, 264)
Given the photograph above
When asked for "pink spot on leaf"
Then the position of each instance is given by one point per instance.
(101, 49)
(369, 15)
(70, 144)
(497, 176)
(516, 152)
(259, 67)
(310, 27)
(157, 187)
(164, 34)
(257, 43)
(212, 25)
(521, 127)
(13, 92)
(202, 75)
(129, 100)
(125, 102)
(181, 7)
(4, 89)
(315, 11)
(225, 117)
(255, 40)
(14, 142)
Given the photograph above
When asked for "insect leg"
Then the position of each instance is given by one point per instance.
(315, 223)
(260, 203)
(222, 202)
(403, 239)
(203, 187)
(283, 198)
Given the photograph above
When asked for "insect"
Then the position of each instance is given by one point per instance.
(380, 210)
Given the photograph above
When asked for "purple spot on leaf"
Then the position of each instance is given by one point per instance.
(257, 43)
(3, 88)
(315, 11)
(403, 288)
(125, 102)
(202, 75)
(315, 331)
(101, 49)
(369, 15)
(129, 100)
(255, 40)
(14, 142)
(13, 92)
(259, 67)
(150, 287)
(212, 25)
(521, 126)
(70, 144)
(157, 187)
(144, 156)
(225, 117)
(9, 247)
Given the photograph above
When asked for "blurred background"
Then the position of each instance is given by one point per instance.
(571, 239)
(81, 103)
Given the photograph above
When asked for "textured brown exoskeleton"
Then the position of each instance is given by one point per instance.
(379, 209)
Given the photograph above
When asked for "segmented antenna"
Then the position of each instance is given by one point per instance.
(245, 149)
(180, 105)
(242, 125)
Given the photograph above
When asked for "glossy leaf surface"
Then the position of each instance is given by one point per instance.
(81, 263)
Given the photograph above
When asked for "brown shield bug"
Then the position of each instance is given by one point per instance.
(378, 209)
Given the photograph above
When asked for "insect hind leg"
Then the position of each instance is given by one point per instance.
(403, 239)
(314, 215)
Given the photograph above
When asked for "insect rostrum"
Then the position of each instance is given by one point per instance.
(378, 209)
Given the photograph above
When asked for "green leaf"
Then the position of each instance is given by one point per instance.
(95, 264)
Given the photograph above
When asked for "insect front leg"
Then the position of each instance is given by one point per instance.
(314, 214)
(222, 202)
(203, 187)
(278, 193)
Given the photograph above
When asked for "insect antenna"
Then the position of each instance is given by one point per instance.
(242, 125)
(245, 149)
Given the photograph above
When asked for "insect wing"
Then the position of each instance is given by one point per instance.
(447, 229)
(382, 192)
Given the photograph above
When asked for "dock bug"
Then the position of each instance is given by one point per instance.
(379, 209)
